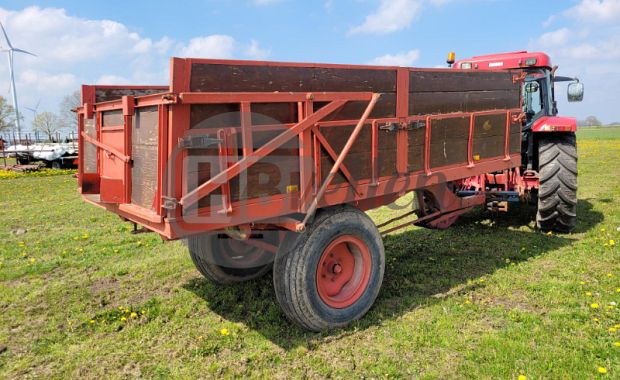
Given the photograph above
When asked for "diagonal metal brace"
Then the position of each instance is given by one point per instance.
(243, 164)
(341, 157)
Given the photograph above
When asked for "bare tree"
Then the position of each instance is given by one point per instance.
(68, 104)
(7, 116)
(48, 123)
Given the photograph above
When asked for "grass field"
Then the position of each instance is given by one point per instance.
(490, 297)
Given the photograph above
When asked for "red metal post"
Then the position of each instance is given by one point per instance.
(343, 154)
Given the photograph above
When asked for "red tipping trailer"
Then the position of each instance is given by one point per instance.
(267, 164)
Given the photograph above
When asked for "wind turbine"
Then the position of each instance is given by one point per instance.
(12, 50)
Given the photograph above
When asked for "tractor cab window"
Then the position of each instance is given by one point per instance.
(533, 99)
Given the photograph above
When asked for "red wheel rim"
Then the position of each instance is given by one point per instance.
(343, 272)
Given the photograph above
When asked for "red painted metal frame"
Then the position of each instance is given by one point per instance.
(174, 108)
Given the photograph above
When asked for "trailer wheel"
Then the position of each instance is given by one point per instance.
(225, 260)
(330, 275)
(56, 164)
(557, 196)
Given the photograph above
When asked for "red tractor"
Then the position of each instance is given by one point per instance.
(548, 171)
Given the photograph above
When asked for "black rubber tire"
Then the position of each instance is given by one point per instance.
(215, 263)
(56, 164)
(557, 196)
(295, 269)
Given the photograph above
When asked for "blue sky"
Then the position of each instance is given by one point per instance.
(120, 41)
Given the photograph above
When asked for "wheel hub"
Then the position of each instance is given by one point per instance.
(343, 271)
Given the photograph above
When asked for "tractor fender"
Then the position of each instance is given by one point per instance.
(555, 124)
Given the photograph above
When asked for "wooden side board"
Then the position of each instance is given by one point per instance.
(429, 93)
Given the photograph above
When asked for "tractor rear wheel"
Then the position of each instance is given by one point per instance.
(225, 260)
(330, 275)
(557, 195)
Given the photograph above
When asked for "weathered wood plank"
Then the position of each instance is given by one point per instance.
(238, 78)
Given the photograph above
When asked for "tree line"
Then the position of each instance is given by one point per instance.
(48, 123)
(593, 121)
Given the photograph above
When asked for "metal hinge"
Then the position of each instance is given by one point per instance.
(518, 118)
(169, 203)
(193, 142)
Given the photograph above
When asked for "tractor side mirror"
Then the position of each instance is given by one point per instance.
(575, 92)
(531, 87)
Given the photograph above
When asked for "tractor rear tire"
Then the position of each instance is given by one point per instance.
(557, 196)
(222, 259)
(331, 273)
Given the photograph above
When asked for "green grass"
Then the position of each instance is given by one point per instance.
(490, 297)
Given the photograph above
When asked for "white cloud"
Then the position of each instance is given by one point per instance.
(254, 51)
(72, 50)
(391, 16)
(557, 37)
(266, 2)
(44, 81)
(596, 11)
(587, 49)
(111, 79)
(214, 46)
(400, 59)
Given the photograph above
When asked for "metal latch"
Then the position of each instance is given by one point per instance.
(169, 203)
(194, 142)
(389, 127)
(417, 124)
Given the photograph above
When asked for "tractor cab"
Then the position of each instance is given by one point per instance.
(539, 104)
(538, 88)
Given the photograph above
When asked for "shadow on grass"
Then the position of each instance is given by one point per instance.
(420, 266)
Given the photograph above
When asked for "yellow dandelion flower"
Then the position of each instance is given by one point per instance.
(120, 308)
(123, 319)
(126, 310)
(522, 377)
(609, 274)
(617, 344)
(612, 242)
(91, 321)
(617, 326)
(612, 329)
(594, 305)
(116, 251)
(602, 229)
(582, 282)
(200, 337)
(617, 290)
(143, 312)
(602, 370)
(482, 280)
(224, 331)
(133, 314)
(32, 260)
(589, 294)
(467, 302)
(595, 319)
